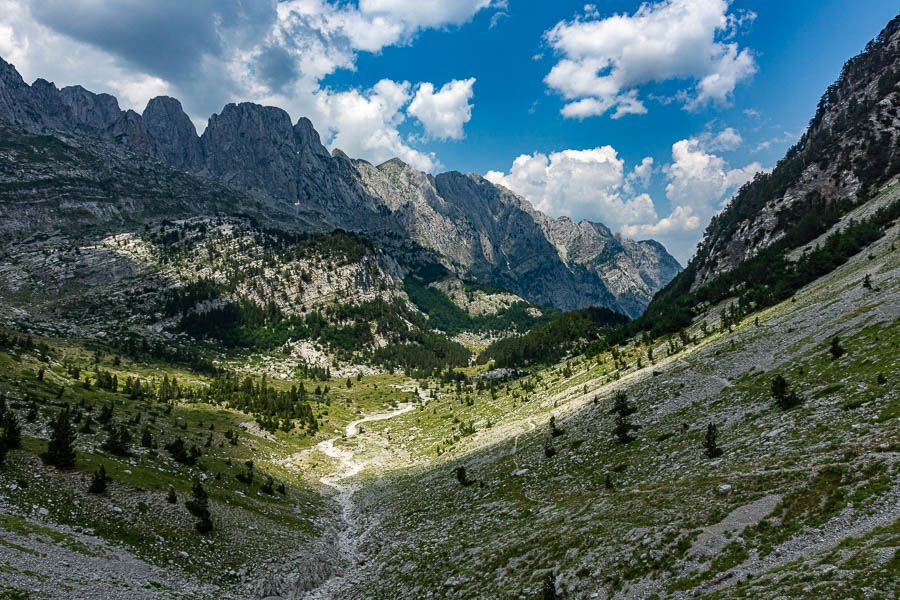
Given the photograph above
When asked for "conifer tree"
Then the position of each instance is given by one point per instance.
(711, 442)
(784, 397)
(836, 349)
(199, 507)
(12, 431)
(98, 483)
(146, 437)
(118, 441)
(61, 448)
(548, 588)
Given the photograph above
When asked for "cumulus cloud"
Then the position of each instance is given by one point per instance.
(594, 184)
(579, 183)
(443, 113)
(699, 185)
(727, 139)
(365, 124)
(209, 53)
(605, 60)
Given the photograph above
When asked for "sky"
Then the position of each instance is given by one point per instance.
(645, 116)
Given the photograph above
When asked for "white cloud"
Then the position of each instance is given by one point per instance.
(584, 184)
(786, 136)
(208, 53)
(594, 184)
(605, 61)
(443, 113)
(700, 184)
(422, 14)
(365, 124)
(726, 140)
(640, 174)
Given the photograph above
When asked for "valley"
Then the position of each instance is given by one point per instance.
(238, 365)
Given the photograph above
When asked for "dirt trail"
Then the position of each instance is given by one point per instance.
(347, 542)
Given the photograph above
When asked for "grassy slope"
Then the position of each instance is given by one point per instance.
(821, 478)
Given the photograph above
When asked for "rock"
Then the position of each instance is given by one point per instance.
(174, 133)
(723, 489)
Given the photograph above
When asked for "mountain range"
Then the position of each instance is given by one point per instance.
(283, 173)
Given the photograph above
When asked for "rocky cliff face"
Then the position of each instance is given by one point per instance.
(851, 145)
(174, 133)
(478, 230)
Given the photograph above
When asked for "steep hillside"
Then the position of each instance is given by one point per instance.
(851, 146)
(475, 229)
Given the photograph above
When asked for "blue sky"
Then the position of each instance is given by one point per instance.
(646, 118)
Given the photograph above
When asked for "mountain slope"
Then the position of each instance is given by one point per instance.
(850, 146)
(477, 230)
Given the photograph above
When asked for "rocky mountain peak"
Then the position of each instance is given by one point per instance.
(9, 76)
(308, 138)
(94, 111)
(173, 130)
(477, 229)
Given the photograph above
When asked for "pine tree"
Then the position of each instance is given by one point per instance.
(548, 588)
(146, 437)
(98, 484)
(117, 442)
(462, 477)
(623, 429)
(836, 349)
(784, 397)
(199, 507)
(554, 430)
(172, 497)
(711, 441)
(61, 448)
(549, 449)
(12, 431)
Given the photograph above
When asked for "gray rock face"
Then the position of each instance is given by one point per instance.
(476, 229)
(848, 147)
(166, 121)
(93, 111)
(130, 131)
(493, 235)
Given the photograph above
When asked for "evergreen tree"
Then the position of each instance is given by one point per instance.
(199, 507)
(86, 426)
(623, 429)
(548, 587)
(172, 497)
(118, 441)
(106, 414)
(784, 397)
(98, 484)
(549, 449)
(61, 448)
(12, 431)
(31, 415)
(621, 406)
(146, 437)
(554, 430)
(836, 349)
(462, 477)
(711, 441)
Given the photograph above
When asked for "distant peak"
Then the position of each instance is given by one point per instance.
(394, 163)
